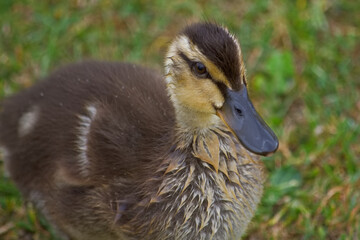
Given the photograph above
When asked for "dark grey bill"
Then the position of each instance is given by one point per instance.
(240, 115)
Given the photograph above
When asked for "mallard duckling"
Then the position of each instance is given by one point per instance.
(112, 150)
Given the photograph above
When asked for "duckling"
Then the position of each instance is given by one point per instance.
(109, 150)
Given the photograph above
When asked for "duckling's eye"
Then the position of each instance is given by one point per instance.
(200, 69)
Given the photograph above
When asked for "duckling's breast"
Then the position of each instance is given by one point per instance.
(203, 194)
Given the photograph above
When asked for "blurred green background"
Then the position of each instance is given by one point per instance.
(302, 61)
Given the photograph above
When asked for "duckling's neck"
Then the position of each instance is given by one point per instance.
(189, 120)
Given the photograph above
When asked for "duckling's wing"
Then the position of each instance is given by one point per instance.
(88, 122)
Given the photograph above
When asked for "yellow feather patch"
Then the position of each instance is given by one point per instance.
(208, 150)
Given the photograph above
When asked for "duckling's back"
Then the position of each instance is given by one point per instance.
(86, 125)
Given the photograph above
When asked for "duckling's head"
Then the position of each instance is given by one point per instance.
(206, 80)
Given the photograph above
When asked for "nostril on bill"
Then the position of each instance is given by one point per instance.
(239, 112)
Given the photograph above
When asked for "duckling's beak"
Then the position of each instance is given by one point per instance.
(240, 116)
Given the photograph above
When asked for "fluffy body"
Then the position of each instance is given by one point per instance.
(112, 151)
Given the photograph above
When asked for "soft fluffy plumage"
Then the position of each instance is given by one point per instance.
(112, 151)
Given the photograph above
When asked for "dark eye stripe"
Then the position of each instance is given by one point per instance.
(222, 87)
(192, 66)
(186, 59)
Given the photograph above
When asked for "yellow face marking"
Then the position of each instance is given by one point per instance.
(198, 94)
(195, 99)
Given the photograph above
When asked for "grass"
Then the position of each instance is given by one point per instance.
(303, 62)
